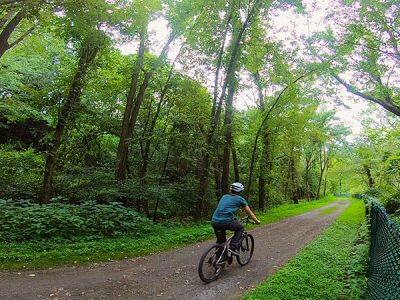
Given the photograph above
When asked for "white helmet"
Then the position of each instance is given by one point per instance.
(237, 187)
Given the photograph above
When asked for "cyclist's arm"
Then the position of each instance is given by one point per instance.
(251, 215)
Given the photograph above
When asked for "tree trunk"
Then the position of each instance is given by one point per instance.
(219, 64)
(266, 118)
(205, 158)
(148, 134)
(8, 30)
(325, 181)
(264, 179)
(293, 180)
(228, 140)
(123, 146)
(88, 54)
(261, 192)
(235, 163)
(6, 18)
(133, 107)
(160, 182)
(265, 160)
(217, 178)
(307, 177)
(323, 162)
(371, 181)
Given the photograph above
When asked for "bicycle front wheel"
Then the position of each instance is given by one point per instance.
(246, 249)
(211, 263)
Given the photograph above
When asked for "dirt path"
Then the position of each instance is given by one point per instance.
(172, 274)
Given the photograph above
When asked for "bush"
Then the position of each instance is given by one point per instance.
(22, 221)
(392, 204)
(373, 192)
(78, 184)
(21, 173)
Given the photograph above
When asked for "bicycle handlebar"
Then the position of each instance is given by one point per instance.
(246, 220)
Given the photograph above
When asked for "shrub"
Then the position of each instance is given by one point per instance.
(20, 173)
(22, 221)
(392, 204)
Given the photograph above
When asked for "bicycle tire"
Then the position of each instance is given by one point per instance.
(246, 249)
(209, 266)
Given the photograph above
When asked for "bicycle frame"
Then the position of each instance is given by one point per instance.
(217, 256)
(225, 250)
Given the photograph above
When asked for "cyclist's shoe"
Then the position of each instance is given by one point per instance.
(233, 251)
(230, 260)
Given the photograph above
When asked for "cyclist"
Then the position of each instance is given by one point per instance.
(223, 217)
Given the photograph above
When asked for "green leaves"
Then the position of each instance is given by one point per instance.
(27, 221)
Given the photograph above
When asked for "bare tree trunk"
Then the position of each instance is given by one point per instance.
(307, 177)
(265, 171)
(265, 160)
(123, 146)
(293, 180)
(323, 162)
(261, 192)
(88, 54)
(160, 182)
(325, 180)
(228, 140)
(235, 163)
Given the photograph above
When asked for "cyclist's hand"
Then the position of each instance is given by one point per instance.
(258, 222)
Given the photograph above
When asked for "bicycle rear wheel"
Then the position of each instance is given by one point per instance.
(246, 249)
(211, 263)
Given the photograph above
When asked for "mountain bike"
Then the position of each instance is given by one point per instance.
(217, 256)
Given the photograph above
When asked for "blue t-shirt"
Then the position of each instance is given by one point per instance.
(227, 207)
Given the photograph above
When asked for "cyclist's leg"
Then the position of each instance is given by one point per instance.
(238, 228)
(220, 232)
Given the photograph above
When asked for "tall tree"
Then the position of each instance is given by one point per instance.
(81, 28)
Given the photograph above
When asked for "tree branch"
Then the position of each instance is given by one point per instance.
(387, 103)
(21, 38)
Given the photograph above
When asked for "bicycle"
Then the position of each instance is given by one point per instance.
(215, 258)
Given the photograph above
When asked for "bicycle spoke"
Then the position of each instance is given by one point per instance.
(246, 249)
(210, 264)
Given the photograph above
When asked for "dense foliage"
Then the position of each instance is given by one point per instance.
(24, 221)
(159, 130)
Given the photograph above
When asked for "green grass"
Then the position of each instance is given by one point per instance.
(331, 267)
(49, 253)
(284, 211)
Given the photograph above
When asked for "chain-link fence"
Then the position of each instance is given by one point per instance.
(384, 257)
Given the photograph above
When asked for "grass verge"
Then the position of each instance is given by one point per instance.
(331, 267)
(50, 253)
